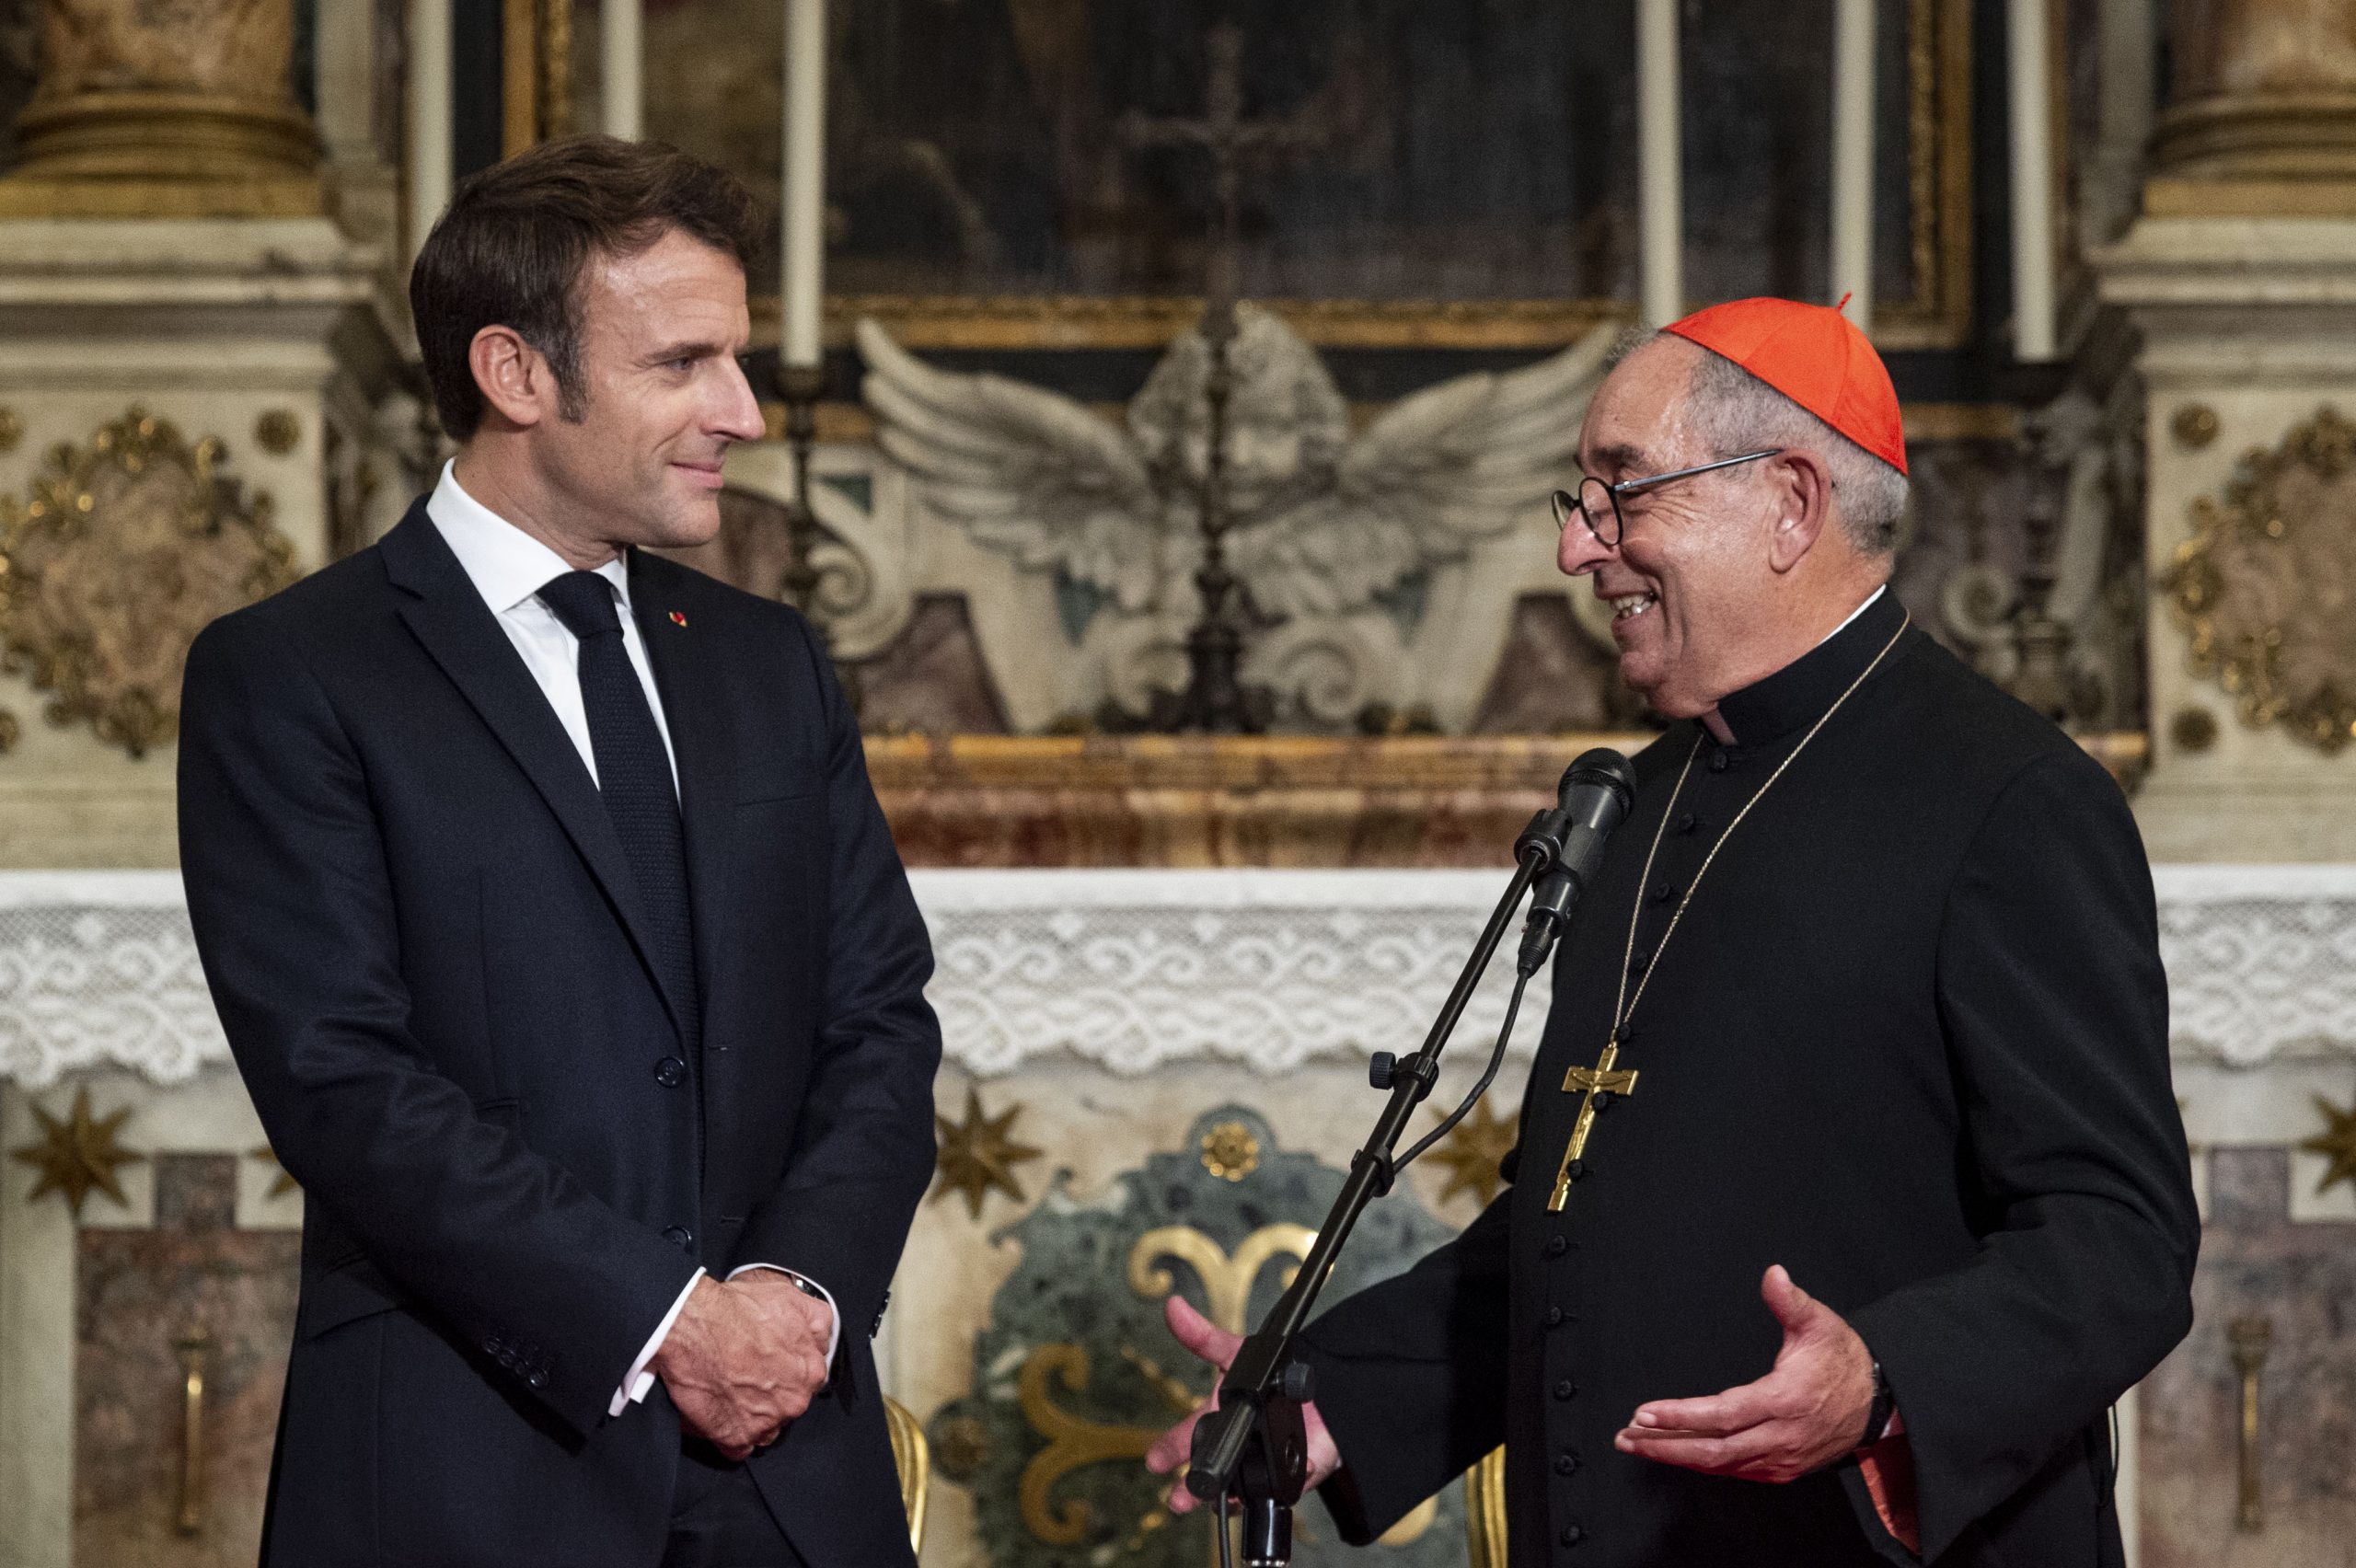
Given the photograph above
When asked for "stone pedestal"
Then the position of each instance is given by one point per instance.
(2248, 357)
(189, 414)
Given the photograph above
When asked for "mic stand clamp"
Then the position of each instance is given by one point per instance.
(1256, 1444)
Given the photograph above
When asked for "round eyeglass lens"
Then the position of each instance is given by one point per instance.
(1597, 505)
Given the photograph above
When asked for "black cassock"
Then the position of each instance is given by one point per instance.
(1909, 1040)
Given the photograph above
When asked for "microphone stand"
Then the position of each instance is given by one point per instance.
(1256, 1442)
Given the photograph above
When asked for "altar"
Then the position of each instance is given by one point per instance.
(1116, 1040)
(1061, 297)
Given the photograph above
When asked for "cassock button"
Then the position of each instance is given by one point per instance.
(1565, 1389)
(1636, 964)
(670, 1071)
(1573, 1535)
(1567, 1463)
(1718, 760)
(1663, 892)
(1557, 1245)
(680, 1236)
(1553, 1317)
(1688, 823)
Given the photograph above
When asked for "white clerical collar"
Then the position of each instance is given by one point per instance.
(506, 565)
(1861, 610)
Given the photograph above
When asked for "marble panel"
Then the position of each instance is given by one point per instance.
(2256, 1262)
(140, 1294)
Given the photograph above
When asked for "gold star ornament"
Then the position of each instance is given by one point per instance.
(284, 1183)
(1471, 1153)
(979, 1155)
(78, 1156)
(2336, 1143)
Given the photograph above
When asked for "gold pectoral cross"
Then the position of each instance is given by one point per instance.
(1598, 1079)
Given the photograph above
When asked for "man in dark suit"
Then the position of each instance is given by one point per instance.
(563, 947)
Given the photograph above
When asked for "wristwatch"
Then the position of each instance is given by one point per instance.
(1884, 1406)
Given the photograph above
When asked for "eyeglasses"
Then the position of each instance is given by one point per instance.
(1596, 503)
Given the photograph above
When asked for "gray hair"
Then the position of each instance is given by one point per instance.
(1734, 411)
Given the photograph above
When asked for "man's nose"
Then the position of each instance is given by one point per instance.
(1578, 551)
(738, 416)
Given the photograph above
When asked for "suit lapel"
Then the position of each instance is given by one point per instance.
(703, 747)
(447, 615)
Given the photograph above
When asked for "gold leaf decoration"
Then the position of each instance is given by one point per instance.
(2336, 1143)
(78, 1156)
(979, 1155)
(127, 548)
(2267, 584)
(1230, 1152)
(1472, 1151)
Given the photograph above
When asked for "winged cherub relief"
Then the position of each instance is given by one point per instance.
(1380, 565)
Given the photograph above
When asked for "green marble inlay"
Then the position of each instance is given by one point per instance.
(1075, 1372)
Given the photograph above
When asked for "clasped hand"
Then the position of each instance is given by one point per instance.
(743, 1358)
(1807, 1411)
(1217, 1347)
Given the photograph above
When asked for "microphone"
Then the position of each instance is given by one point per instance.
(1592, 801)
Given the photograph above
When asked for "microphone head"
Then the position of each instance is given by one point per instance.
(1601, 768)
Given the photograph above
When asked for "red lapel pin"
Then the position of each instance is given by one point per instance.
(678, 620)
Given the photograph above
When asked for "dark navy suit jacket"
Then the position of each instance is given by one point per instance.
(422, 935)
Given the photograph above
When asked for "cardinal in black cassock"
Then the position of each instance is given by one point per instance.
(1850, 1190)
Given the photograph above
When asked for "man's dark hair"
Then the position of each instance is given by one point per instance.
(511, 249)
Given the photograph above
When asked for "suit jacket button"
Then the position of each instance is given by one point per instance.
(680, 1236)
(670, 1072)
(1573, 1535)
(538, 1380)
(1565, 1389)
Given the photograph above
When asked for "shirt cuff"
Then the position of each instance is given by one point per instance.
(833, 1313)
(638, 1380)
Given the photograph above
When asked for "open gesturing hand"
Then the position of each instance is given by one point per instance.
(1217, 1347)
(742, 1359)
(1809, 1410)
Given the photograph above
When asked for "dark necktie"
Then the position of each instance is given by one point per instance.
(634, 776)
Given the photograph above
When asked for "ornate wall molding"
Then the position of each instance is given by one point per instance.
(128, 546)
(2263, 584)
(1134, 971)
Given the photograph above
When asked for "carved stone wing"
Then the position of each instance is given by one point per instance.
(1023, 470)
(1437, 473)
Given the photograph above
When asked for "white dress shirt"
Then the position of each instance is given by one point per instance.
(508, 567)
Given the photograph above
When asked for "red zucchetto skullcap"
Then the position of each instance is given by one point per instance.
(1814, 356)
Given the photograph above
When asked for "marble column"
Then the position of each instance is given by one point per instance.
(2240, 276)
(2262, 110)
(185, 111)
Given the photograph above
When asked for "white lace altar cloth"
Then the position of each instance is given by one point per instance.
(1133, 970)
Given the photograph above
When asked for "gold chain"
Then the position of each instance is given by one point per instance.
(1624, 1006)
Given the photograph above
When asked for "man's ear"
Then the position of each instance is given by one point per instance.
(514, 378)
(1802, 489)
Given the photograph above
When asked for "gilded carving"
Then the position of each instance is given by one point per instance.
(2267, 584)
(128, 546)
(79, 1154)
(277, 431)
(979, 1154)
(2194, 426)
